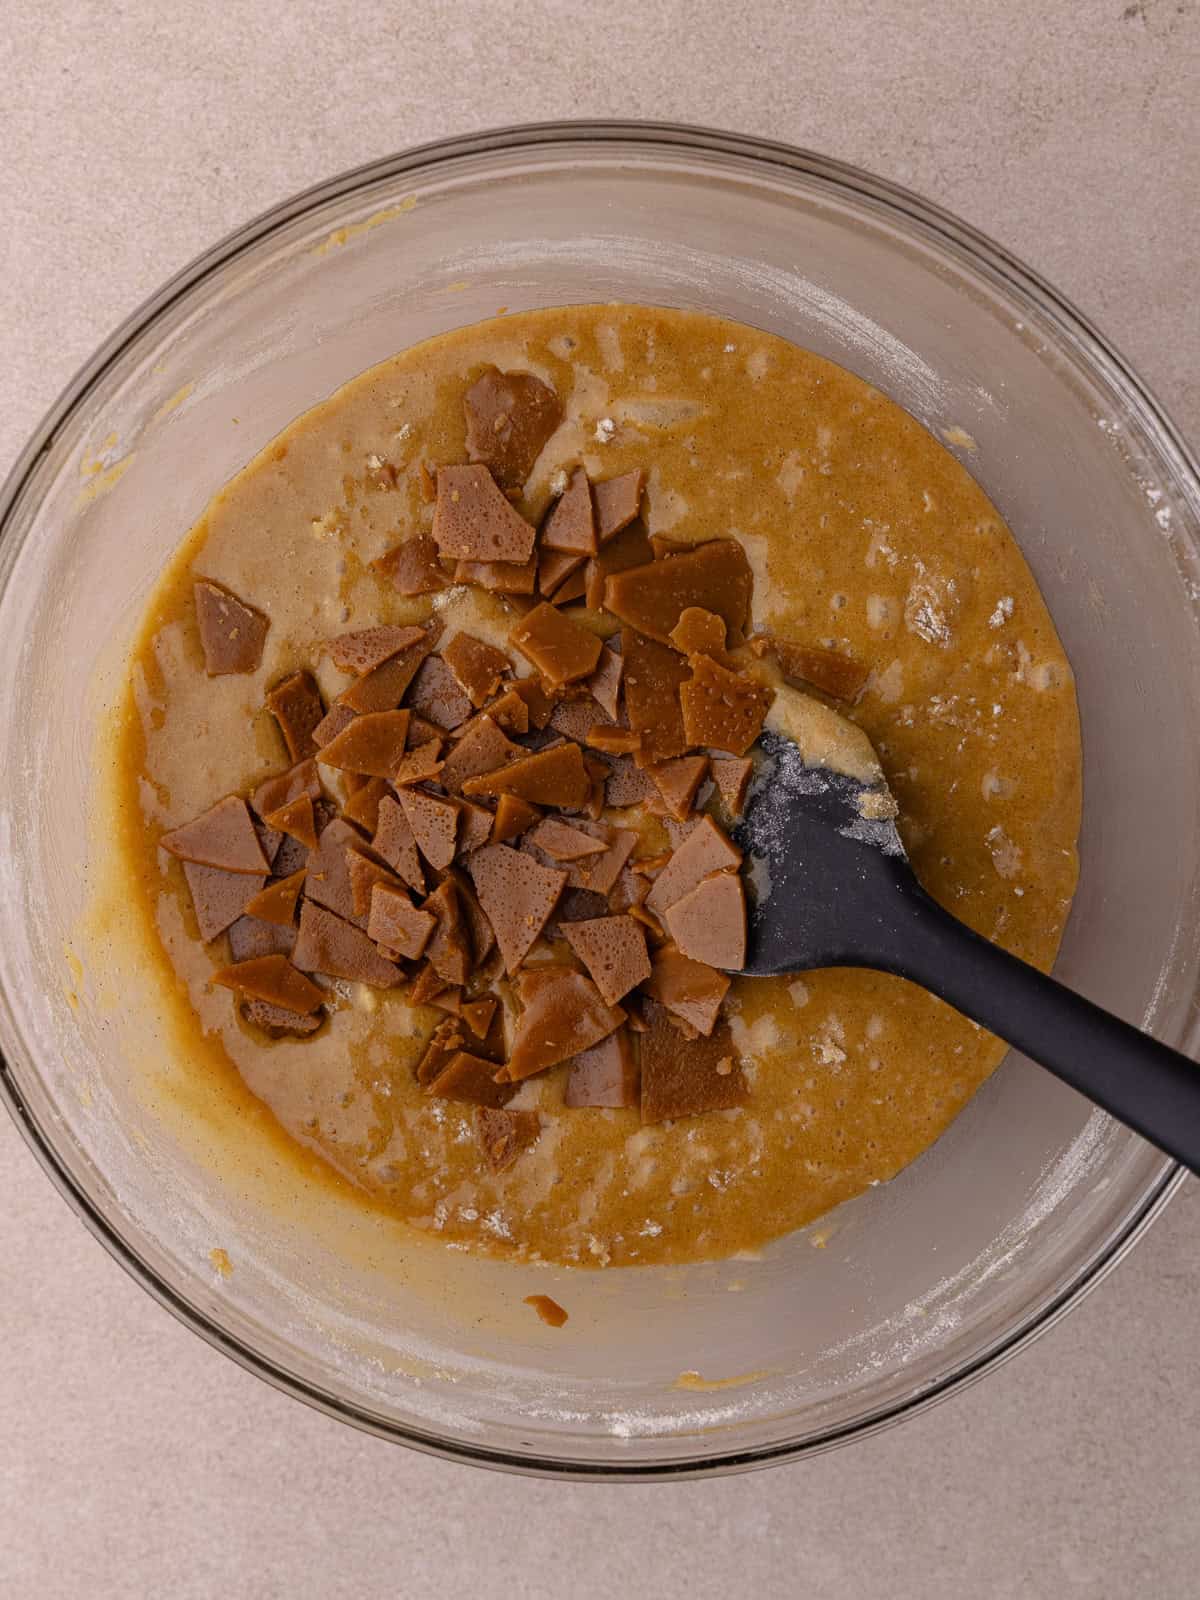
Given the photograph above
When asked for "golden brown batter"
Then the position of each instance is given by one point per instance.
(865, 535)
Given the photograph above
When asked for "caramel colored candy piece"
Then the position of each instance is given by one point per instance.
(705, 850)
(627, 784)
(571, 527)
(395, 843)
(329, 945)
(373, 744)
(599, 873)
(613, 742)
(434, 823)
(628, 892)
(564, 843)
(722, 709)
(482, 748)
(555, 646)
(477, 666)
(364, 874)
(554, 568)
(383, 688)
(553, 777)
(328, 879)
(274, 792)
(538, 701)
(691, 989)
(699, 633)
(251, 937)
(503, 1136)
(273, 979)
(478, 1015)
(397, 924)
(219, 898)
(510, 712)
(277, 1021)
(413, 567)
(687, 1077)
(474, 826)
(427, 988)
(362, 808)
(809, 666)
(435, 694)
(421, 730)
(513, 816)
(277, 902)
(604, 685)
(449, 952)
(630, 548)
(335, 720)
(472, 521)
(483, 940)
(605, 1075)
(509, 417)
(368, 648)
(715, 577)
(421, 765)
(517, 894)
(470, 1080)
(296, 819)
(551, 1313)
(499, 577)
(443, 1042)
(563, 1014)
(653, 675)
(575, 719)
(709, 923)
(617, 501)
(731, 774)
(572, 588)
(232, 634)
(613, 949)
(223, 836)
(297, 707)
(677, 782)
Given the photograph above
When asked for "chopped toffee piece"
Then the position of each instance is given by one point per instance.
(499, 577)
(517, 894)
(699, 633)
(653, 675)
(273, 979)
(413, 566)
(278, 791)
(478, 1014)
(482, 748)
(677, 782)
(677, 832)
(547, 1309)
(427, 988)
(553, 777)
(483, 940)
(562, 1014)
(630, 548)
(363, 805)
(555, 646)
(604, 685)
(571, 527)
(510, 712)
(513, 816)
(731, 774)
(477, 665)
(364, 874)
(628, 892)
(297, 707)
(368, 648)
(296, 819)
(232, 634)
(705, 850)
(223, 836)
(472, 520)
(554, 568)
(435, 694)
(617, 501)
(250, 937)
(421, 765)
(613, 742)
(277, 1021)
(572, 588)
(685, 1078)
(613, 949)
(395, 843)
(723, 709)
(599, 873)
(709, 923)
(385, 687)
(715, 577)
(277, 902)
(509, 416)
(445, 1039)
(474, 826)
(470, 1080)
(539, 703)
(396, 923)
(329, 945)
(503, 1136)
(564, 843)
(219, 898)
(328, 873)
(627, 784)
(575, 719)
(605, 1075)
(690, 989)
(811, 667)
(421, 730)
(372, 745)
(449, 952)
(434, 824)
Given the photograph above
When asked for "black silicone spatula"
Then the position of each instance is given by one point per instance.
(831, 887)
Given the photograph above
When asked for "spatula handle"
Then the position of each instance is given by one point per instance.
(1150, 1087)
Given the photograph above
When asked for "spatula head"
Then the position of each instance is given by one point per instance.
(823, 866)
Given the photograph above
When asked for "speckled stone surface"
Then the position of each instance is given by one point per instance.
(137, 1461)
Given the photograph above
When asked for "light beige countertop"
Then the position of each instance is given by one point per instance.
(136, 1461)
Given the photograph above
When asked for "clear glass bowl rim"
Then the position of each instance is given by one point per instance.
(849, 182)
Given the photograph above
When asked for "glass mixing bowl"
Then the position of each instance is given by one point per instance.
(922, 1283)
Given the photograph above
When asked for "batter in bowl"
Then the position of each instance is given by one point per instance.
(878, 574)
